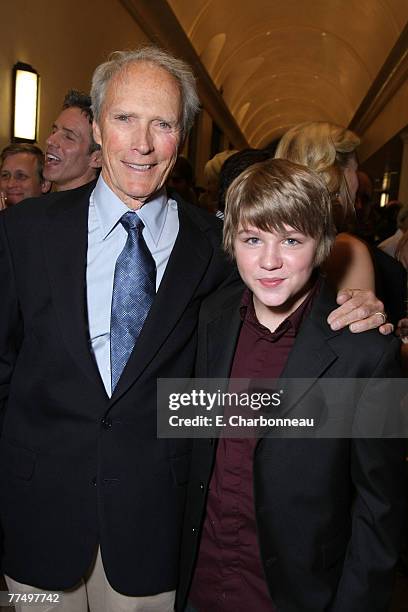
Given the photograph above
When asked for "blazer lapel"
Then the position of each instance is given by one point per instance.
(65, 245)
(312, 354)
(186, 267)
(222, 337)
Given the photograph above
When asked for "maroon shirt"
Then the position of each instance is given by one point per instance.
(229, 576)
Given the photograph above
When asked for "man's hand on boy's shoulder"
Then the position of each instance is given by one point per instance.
(360, 310)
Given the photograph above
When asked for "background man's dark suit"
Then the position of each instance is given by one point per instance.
(314, 551)
(78, 468)
(390, 283)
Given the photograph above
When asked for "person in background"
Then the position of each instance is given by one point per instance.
(233, 166)
(389, 245)
(72, 157)
(21, 173)
(182, 180)
(364, 225)
(401, 254)
(387, 220)
(212, 169)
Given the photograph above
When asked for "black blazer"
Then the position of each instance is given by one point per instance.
(78, 468)
(390, 284)
(329, 512)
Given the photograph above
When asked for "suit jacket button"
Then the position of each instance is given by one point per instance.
(93, 482)
(202, 486)
(106, 423)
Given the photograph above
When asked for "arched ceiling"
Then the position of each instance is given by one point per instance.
(280, 62)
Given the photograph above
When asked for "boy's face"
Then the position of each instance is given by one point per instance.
(275, 266)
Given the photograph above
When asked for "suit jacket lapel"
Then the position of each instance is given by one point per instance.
(222, 337)
(312, 354)
(185, 269)
(65, 245)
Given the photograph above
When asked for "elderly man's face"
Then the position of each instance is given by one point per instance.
(19, 178)
(139, 132)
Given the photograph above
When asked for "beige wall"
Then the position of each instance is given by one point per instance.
(391, 120)
(63, 40)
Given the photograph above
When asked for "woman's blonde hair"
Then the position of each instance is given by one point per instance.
(327, 149)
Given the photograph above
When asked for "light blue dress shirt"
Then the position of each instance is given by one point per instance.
(106, 239)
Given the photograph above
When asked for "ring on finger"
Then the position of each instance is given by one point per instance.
(383, 315)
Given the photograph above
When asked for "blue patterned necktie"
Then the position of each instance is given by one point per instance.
(134, 288)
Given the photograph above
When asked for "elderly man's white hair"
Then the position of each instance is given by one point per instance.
(179, 69)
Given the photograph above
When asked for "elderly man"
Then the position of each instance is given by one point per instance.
(101, 291)
(102, 287)
(72, 157)
(21, 173)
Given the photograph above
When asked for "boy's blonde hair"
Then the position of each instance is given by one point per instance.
(275, 193)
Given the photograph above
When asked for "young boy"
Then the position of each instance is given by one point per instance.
(275, 524)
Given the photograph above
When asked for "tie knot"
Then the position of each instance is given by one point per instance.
(131, 220)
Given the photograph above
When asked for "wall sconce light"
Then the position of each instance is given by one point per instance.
(25, 107)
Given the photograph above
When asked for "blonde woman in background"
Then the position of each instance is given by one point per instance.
(330, 150)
